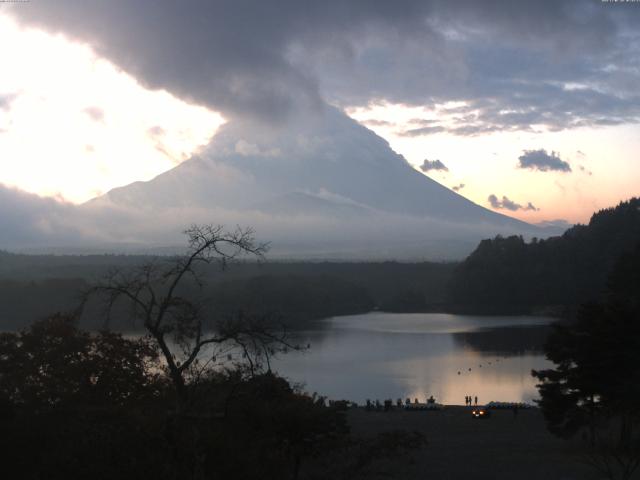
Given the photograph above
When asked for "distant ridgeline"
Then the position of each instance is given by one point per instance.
(34, 286)
(509, 275)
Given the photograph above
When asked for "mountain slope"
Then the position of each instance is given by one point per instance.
(323, 181)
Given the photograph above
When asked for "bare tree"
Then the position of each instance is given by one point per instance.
(164, 298)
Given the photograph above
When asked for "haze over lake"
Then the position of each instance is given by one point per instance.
(391, 355)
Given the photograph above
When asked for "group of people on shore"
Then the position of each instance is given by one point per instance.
(469, 400)
(388, 404)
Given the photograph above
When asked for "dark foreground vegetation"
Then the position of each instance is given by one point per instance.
(504, 447)
(193, 399)
(593, 391)
(99, 406)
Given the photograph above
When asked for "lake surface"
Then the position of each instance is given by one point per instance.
(388, 355)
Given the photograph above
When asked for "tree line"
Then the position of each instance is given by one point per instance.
(593, 389)
(194, 398)
(509, 274)
(299, 292)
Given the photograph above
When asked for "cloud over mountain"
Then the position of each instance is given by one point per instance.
(542, 161)
(325, 188)
(508, 65)
(28, 219)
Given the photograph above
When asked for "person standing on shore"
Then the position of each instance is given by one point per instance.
(476, 399)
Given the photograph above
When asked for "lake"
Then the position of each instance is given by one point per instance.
(389, 355)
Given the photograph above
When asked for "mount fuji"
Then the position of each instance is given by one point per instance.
(319, 186)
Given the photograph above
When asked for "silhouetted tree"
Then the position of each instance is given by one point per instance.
(75, 404)
(165, 296)
(53, 364)
(507, 274)
(595, 386)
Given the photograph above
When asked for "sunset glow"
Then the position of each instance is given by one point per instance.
(487, 163)
(73, 125)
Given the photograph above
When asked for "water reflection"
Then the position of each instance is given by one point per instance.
(505, 340)
(381, 355)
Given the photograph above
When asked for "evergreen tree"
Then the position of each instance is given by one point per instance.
(595, 385)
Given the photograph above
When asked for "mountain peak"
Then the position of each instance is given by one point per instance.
(320, 176)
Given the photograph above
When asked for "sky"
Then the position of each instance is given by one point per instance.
(78, 120)
(527, 108)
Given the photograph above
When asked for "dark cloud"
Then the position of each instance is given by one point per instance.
(231, 55)
(422, 131)
(542, 161)
(518, 68)
(457, 188)
(515, 65)
(428, 165)
(531, 107)
(507, 204)
(27, 218)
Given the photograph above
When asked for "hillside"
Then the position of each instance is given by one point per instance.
(318, 187)
(298, 291)
(510, 274)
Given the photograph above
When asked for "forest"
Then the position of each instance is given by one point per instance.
(503, 275)
(513, 275)
(298, 291)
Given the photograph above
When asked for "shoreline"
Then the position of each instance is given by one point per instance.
(504, 446)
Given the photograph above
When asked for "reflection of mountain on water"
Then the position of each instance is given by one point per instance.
(505, 340)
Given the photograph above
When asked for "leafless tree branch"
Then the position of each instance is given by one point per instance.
(155, 294)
